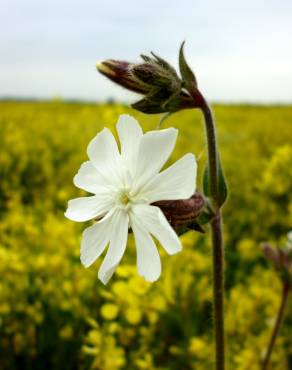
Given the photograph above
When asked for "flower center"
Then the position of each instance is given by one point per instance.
(124, 198)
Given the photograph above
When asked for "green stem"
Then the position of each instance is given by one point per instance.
(216, 226)
(277, 326)
(218, 289)
(213, 162)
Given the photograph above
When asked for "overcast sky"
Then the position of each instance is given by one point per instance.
(239, 50)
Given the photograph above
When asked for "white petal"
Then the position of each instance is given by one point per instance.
(104, 154)
(130, 134)
(155, 149)
(155, 222)
(118, 242)
(87, 208)
(88, 178)
(176, 182)
(95, 239)
(148, 259)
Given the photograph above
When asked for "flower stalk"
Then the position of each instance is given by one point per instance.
(281, 258)
(276, 329)
(211, 146)
(216, 227)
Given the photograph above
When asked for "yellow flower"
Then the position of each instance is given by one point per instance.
(109, 311)
(133, 316)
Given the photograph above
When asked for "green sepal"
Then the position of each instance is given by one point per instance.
(187, 74)
(181, 230)
(191, 226)
(196, 227)
(146, 58)
(163, 63)
(204, 218)
(163, 118)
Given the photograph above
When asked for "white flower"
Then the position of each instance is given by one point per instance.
(124, 185)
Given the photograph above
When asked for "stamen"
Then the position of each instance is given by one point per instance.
(124, 198)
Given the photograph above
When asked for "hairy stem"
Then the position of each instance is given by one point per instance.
(213, 156)
(216, 225)
(277, 326)
(218, 289)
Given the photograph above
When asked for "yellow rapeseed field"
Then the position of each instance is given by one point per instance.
(56, 315)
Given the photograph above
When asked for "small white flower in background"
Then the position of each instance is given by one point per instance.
(289, 236)
(124, 184)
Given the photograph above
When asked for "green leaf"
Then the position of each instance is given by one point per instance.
(222, 186)
(187, 74)
(206, 182)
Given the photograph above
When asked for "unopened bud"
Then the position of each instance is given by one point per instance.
(156, 75)
(271, 254)
(119, 72)
(164, 91)
(183, 213)
(281, 259)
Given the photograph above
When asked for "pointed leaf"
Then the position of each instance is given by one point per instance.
(187, 74)
(206, 182)
(222, 186)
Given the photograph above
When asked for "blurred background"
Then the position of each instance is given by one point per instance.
(54, 313)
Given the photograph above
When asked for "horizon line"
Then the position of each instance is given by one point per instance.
(113, 101)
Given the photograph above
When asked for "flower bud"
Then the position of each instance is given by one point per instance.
(164, 91)
(281, 259)
(270, 253)
(155, 75)
(152, 104)
(119, 72)
(183, 213)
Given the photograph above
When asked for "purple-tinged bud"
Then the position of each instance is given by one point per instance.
(271, 254)
(120, 73)
(164, 91)
(155, 75)
(183, 213)
(281, 258)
